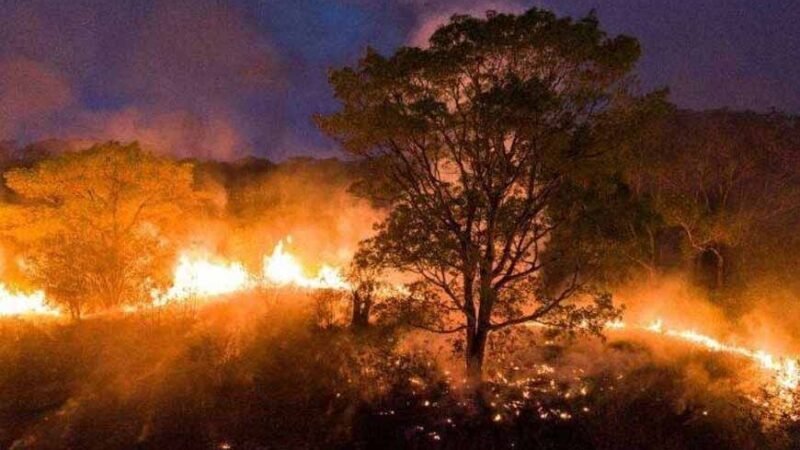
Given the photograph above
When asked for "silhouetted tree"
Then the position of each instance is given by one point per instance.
(366, 285)
(486, 139)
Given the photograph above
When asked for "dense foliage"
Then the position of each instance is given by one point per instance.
(486, 142)
(93, 224)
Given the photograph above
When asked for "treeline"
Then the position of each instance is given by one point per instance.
(716, 193)
(248, 375)
(99, 228)
(722, 189)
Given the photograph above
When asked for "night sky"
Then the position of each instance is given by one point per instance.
(223, 78)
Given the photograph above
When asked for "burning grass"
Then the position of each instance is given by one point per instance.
(255, 371)
(227, 350)
(201, 276)
(232, 352)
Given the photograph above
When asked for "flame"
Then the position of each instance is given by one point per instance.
(18, 303)
(202, 277)
(282, 268)
(196, 277)
(786, 371)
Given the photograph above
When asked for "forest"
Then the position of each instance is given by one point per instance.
(518, 247)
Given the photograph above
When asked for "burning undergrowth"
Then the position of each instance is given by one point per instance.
(256, 371)
(244, 371)
(247, 342)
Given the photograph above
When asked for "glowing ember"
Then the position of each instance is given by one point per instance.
(18, 303)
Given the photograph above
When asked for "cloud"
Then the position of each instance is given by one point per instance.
(200, 78)
(193, 53)
(223, 78)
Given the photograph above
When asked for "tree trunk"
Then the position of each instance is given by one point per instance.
(719, 275)
(476, 346)
(475, 352)
(361, 310)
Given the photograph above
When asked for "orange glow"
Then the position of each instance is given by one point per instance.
(786, 371)
(282, 268)
(202, 278)
(198, 276)
(17, 303)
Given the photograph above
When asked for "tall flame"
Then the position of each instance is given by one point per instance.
(282, 268)
(197, 277)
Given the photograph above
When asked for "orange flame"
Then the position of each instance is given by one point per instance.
(785, 370)
(203, 277)
(282, 268)
(14, 303)
(196, 277)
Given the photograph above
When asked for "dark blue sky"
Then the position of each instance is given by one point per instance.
(223, 78)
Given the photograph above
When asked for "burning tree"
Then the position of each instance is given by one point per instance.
(489, 140)
(93, 224)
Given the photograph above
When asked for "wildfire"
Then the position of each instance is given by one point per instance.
(201, 278)
(785, 370)
(282, 268)
(17, 303)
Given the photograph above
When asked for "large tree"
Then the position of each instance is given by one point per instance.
(489, 141)
(94, 225)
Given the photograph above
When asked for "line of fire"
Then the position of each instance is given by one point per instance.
(517, 246)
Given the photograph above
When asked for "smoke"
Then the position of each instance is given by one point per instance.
(306, 203)
(223, 79)
(194, 78)
(31, 91)
(761, 315)
(179, 132)
(179, 76)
